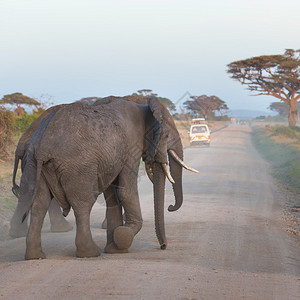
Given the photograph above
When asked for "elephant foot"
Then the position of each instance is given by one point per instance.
(34, 254)
(18, 231)
(93, 251)
(112, 248)
(61, 226)
(123, 237)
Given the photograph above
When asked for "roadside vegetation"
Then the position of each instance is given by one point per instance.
(280, 145)
(6, 129)
(8, 201)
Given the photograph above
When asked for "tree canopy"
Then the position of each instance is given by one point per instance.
(167, 103)
(273, 75)
(205, 106)
(141, 97)
(18, 99)
(282, 108)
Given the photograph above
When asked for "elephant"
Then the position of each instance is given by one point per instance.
(82, 151)
(58, 222)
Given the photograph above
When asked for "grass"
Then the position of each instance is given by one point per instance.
(280, 146)
(7, 203)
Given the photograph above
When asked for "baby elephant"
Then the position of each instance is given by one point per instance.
(57, 220)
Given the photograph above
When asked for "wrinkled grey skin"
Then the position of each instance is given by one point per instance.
(81, 151)
(58, 222)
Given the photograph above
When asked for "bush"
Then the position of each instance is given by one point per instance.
(6, 130)
(23, 122)
(296, 128)
(222, 118)
(285, 131)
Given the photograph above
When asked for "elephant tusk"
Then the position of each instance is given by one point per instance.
(177, 158)
(164, 165)
(148, 171)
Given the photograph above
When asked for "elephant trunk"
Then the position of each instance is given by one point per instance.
(159, 179)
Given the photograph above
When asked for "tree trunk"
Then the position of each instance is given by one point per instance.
(292, 113)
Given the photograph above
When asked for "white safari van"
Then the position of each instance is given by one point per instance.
(199, 133)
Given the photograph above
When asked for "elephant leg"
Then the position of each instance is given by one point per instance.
(39, 209)
(57, 220)
(104, 222)
(113, 218)
(128, 195)
(85, 245)
(17, 227)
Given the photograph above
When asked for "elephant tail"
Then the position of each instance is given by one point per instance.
(15, 189)
(37, 182)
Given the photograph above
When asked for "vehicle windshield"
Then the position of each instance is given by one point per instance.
(199, 129)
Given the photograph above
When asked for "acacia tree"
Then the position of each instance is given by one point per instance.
(205, 106)
(273, 75)
(282, 108)
(146, 92)
(19, 99)
(142, 95)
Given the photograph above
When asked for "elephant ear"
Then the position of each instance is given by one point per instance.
(156, 109)
(153, 141)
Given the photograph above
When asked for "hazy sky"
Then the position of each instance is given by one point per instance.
(71, 49)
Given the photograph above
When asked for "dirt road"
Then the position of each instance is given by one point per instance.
(226, 242)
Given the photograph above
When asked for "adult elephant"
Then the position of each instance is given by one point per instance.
(58, 222)
(83, 151)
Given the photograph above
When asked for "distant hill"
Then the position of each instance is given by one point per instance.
(249, 114)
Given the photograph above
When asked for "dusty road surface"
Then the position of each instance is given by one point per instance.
(226, 242)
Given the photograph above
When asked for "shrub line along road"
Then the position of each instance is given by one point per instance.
(226, 242)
